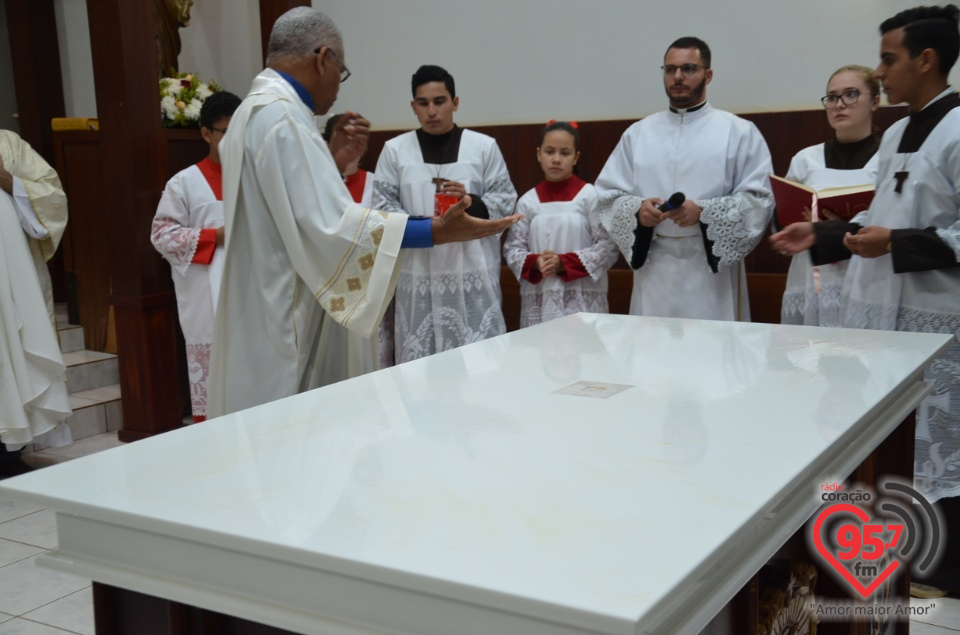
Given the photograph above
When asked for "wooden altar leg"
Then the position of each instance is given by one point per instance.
(894, 457)
(122, 612)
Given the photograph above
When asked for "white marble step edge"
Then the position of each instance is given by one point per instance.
(87, 370)
(71, 338)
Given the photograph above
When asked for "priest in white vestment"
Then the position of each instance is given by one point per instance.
(33, 216)
(450, 296)
(304, 261)
(688, 262)
(39, 201)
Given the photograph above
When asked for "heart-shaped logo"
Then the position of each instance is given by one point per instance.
(853, 538)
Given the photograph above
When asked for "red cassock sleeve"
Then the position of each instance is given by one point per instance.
(530, 273)
(205, 247)
(573, 268)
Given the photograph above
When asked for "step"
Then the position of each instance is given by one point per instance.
(61, 314)
(95, 412)
(82, 447)
(71, 338)
(90, 369)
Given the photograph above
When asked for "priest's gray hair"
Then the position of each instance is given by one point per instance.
(299, 32)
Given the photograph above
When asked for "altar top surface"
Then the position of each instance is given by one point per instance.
(466, 475)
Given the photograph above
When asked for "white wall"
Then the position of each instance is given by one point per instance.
(76, 60)
(523, 61)
(518, 61)
(222, 42)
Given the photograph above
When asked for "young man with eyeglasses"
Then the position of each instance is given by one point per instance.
(303, 261)
(447, 296)
(188, 232)
(688, 261)
(904, 251)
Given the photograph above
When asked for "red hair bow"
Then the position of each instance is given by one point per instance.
(573, 124)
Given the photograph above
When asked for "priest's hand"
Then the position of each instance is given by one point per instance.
(6, 179)
(793, 239)
(456, 226)
(648, 215)
(869, 242)
(349, 140)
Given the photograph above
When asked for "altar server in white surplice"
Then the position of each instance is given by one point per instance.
(188, 232)
(904, 251)
(33, 216)
(450, 296)
(303, 261)
(688, 262)
(559, 251)
(812, 295)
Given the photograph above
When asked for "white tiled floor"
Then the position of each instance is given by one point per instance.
(37, 601)
(34, 600)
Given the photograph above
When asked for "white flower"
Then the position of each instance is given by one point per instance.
(192, 111)
(180, 103)
(170, 86)
(168, 105)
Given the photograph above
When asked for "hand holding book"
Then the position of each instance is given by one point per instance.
(833, 203)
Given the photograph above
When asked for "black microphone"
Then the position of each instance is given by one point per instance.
(672, 203)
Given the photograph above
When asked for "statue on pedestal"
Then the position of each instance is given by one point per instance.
(169, 16)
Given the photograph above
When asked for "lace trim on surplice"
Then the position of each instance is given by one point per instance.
(176, 243)
(623, 219)
(198, 370)
(734, 225)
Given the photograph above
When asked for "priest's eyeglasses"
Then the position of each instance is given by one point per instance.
(848, 97)
(344, 71)
(688, 70)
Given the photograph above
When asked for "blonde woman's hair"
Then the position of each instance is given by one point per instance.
(865, 73)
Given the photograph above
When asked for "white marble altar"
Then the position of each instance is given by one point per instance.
(462, 493)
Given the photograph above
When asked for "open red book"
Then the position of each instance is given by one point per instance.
(793, 198)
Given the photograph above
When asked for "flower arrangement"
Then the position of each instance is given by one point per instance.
(181, 97)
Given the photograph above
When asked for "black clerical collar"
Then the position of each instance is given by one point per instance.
(854, 155)
(681, 111)
(440, 149)
(301, 91)
(923, 122)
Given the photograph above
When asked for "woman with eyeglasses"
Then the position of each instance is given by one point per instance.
(812, 295)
